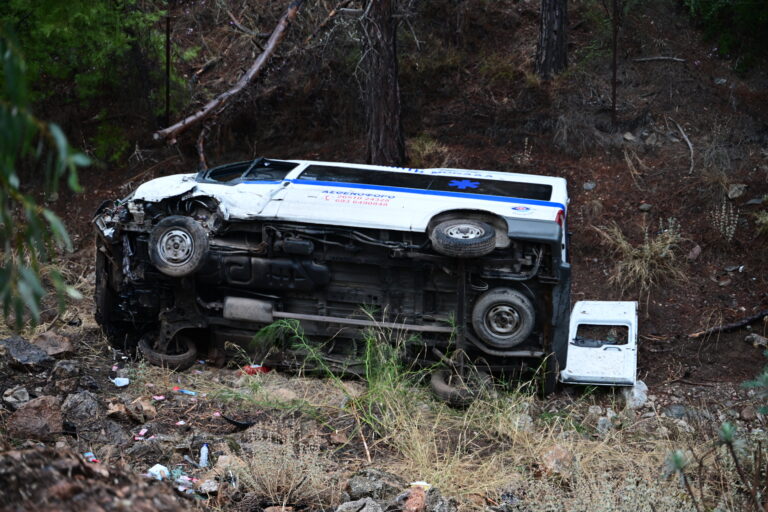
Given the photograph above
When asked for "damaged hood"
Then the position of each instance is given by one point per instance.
(234, 202)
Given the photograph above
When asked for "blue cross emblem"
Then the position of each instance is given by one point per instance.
(464, 184)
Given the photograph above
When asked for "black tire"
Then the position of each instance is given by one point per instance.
(503, 317)
(463, 238)
(184, 359)
(448, 388)
(178, 246)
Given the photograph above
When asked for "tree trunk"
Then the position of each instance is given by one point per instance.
(552, 52)
(381, 94)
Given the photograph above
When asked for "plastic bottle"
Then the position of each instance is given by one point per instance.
(204, 456)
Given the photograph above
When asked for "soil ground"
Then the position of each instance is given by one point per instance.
(483, 109)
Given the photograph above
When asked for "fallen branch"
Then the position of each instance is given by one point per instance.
(687, 141)
(730, 327)
(173, 131)
(652, 59)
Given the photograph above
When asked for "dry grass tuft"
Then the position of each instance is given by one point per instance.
(425, 152)
(282, 470)
(647, 264)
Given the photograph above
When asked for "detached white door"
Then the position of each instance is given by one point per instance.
(602, 344)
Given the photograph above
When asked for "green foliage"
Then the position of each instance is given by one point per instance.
(110, 143)
(27, 230)
(761, 219)
(80, 40)
(760, 385)
(740, 27)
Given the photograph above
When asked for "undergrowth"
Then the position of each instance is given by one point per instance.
(647, 264)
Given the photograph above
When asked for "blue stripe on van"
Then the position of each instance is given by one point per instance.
(462, 195)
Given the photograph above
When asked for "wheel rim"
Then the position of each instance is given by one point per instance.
(465, 231)
(175, 247)
(502, 320)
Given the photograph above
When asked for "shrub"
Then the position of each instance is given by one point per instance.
(725, 219)
(28, 231)
(647, 264)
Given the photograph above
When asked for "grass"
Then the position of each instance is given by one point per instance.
(492, 453)
(425, 152)
(648, 264)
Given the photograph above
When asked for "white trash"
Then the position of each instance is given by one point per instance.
(121, 382)
(158, 472)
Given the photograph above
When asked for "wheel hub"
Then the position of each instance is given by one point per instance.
(175, 247)
(465, 231)
(502, 320)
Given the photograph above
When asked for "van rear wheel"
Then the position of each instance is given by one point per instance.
(462, 238)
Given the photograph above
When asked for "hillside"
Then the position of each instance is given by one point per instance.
(681, 175)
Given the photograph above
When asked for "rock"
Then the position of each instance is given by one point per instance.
(82, 409)
(651, 139)
(736, 190)
(590, 185)
(675, 411)
(16, 397)
(63, 386)
(113, 433)
(645, 207)
(88, 382)
(363, 505)
(523, 422)
(53, 344)
(604, 425)
(754, 201)
(756, 340)
(721, 81)
(142, 410)
(39, 419)
(636, 396)
(694, 253)
(595, 410)
(437, 503)
(24, 355)
(209, 487)
(628, 136)
(65, 369)
(558, 460)
(748, 413)
(116, 409)
(376, 484)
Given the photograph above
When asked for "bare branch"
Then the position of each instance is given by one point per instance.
(652, 59)
(245, 29)
(687, 141)
(173, 131)
(335, 11)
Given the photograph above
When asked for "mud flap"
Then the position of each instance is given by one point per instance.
(602, 344)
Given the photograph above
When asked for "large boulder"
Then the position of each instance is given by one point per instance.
(55, 345)
(21, 354)
(82, 410)
(39, 419)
